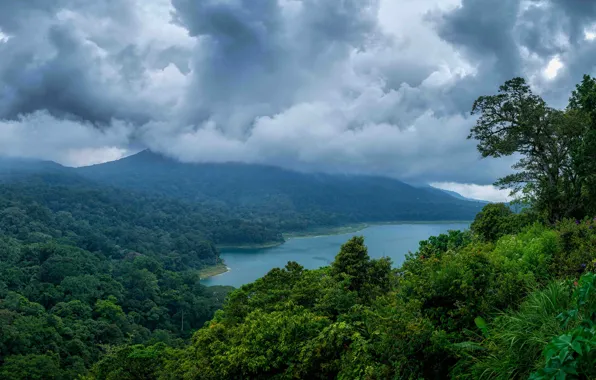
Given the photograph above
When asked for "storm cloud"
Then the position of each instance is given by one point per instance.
(362, 86)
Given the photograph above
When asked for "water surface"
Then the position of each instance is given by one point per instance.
(394, 241)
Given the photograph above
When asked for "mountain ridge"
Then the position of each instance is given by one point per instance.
(292, 201)
(265, 188)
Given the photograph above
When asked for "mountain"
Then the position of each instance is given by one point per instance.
(11, 167)
(296, 200)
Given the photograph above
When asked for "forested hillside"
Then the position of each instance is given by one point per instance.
(133, 220)
(461, 307)
(83, 269)
(513, 298)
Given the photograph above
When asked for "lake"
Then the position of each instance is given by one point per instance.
(394, 241)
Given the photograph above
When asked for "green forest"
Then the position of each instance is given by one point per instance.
(101, 283)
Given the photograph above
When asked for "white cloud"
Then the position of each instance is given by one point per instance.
(484, 193)
(3, 37)
(40, 135)
(553, 67)
(90, 156)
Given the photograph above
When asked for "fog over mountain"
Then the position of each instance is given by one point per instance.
(376, 87)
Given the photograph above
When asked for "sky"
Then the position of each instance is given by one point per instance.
(381, 87)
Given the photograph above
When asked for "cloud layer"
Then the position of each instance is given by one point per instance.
(375, 86)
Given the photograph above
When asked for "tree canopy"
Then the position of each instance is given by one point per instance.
(554, 172)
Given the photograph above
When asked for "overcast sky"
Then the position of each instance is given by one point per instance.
(364, 86)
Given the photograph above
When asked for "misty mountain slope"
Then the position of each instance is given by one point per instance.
(309, 198)
(14, 168)
(128, 218)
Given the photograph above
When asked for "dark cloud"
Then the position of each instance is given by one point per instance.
(68, 84)
(484, 31)
(68, 72)
(580, 13)
(308, 84)
(261, 55)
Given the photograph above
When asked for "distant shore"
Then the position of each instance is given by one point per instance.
(341, 230)
(251, 246)
(330, 231)
(326, 231)
(315, 232)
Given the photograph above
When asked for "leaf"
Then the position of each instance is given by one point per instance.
(481, 324)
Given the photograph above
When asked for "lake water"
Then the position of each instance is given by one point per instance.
(394, 241)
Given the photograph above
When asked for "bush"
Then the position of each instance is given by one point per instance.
(578, 248)
(497, 220)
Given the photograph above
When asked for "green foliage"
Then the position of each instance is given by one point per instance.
(527, 254)
(437, 245)
(511, 345)
(130, 363)
(459, 306)
(117, 222)
(32, 367)
(573, 353)
(578, 251)
(292, 323)
(353, 267)
(583, 102)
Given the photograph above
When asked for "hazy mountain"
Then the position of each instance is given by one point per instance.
(319, 198)
(11, 166)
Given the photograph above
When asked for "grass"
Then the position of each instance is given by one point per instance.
(213, 270)
(513, 349)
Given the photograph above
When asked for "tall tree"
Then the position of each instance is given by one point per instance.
(583, 102)
(516, 121)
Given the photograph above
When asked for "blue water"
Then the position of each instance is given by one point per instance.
(394, 241)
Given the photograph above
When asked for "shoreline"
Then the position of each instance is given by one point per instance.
(251, 246)
(222, 268)
(326, 231)
(213, 270)
(332, 231)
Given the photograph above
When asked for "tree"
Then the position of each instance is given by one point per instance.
(493, 222)
(353, 261)
(31, 367)
(516, 121)
(583, 101)
(130, 362)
